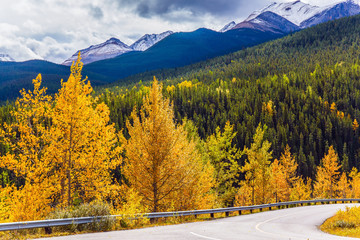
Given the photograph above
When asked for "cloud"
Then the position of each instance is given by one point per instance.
(55, 29)
(148, 8)
(96, 12)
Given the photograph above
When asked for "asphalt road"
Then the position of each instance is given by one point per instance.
(299, 223)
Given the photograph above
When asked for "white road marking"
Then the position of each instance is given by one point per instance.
(205, 237)
(257, 227)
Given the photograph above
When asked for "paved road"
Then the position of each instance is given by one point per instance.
(287, 224)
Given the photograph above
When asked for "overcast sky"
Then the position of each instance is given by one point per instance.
(55, 29)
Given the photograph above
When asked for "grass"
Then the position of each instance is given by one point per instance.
(344, 223)
(117, 224)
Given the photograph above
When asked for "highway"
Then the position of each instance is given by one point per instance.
(299, 223)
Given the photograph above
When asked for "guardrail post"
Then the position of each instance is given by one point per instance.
(48, 230)
(212, 215)
(239, 212)
(261, 209)
(251, 211)
(227, 214)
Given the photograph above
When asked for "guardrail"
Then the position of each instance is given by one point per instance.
(47, 224)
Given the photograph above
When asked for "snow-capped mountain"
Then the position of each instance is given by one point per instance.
(228, 26)
(300, 14)
(332, 12)
(148, 40)
(296, 12)
(6, 58)
(114, 47)
(269, 22)
(109, 49)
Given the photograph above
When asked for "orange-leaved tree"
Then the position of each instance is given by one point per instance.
(27, 139)
(327, 175)
(62, 147)
(161, 164)
(84, 143)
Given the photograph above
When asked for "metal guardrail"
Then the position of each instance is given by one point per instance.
(83, 220)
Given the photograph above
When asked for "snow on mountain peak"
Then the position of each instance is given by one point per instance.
(296, 12)
(6, 58)
(148, 40)
(228, 27)
(109, 49)
(114, 47)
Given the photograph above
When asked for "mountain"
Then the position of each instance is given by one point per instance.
(269, 22)
(343, 9)
(178, 49)
(300, 14)
(148, 40)
(18, 75)
(228, 27)
(6, 58)
(298, 76)
(114, 47)
(296, 12)
(109, 49)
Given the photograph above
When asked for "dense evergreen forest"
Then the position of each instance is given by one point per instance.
(304, 87)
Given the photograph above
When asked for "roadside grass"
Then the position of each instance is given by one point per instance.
(344, 223)
(120, 223)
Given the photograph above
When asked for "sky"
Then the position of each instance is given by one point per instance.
(54, 30)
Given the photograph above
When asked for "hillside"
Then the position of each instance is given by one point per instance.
(178, 50)
(304, 87)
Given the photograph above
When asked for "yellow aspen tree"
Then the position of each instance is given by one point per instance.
(327, 175)
(301, 190)
(355, 125)
(354, 176)
(83, 143)
(257, 167)
(224, 157)
(290, 167)
(278, 183)
(343, 186)
(27, 139)
(161, 164)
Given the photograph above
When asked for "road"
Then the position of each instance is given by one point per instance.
(299, 223)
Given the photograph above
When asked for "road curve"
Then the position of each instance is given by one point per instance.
(299, 223)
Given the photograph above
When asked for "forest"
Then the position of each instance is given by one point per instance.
(276, 122)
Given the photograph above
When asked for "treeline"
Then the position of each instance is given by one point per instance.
(304, 87)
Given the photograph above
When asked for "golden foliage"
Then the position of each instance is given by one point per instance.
(83, 141)
(333, 107)
(161, 164)
(59, 145)
(355, 125)
(327, 175)
(257, 168)
(345, 223)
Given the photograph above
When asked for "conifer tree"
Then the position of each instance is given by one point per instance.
(161, 164)
(83, 143)
(327, 175)
(224, 157)
(257, 167)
